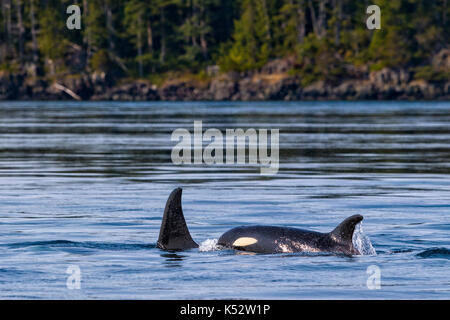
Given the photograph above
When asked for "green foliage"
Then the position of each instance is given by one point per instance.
(290, 17)
(150, 38)
(196, 31)
(318, 60)
(250, 48)
(95, 26)
(430, 74)
(101, 61)
(52, 43)
(10, 67)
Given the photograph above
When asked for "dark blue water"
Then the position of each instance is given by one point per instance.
(85, 184)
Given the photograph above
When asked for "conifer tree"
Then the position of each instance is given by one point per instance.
(251, 38)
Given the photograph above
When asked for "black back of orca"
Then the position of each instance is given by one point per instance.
(174, 235)
(271, 239)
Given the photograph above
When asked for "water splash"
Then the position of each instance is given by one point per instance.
(209, 245)
(362, 242)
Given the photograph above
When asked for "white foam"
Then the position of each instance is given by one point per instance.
(209, 245)
(362, 242)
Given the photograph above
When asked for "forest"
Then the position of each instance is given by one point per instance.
(152, 39)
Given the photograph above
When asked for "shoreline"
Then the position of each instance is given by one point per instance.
(386, 84)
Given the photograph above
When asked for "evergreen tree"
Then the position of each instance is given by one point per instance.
(250, 48)
(135, 11)
(197, 30)
(143, 38)
(52, 43)
(291, 25)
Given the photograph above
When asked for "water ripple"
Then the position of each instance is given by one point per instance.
(442, 253)
(87, 245)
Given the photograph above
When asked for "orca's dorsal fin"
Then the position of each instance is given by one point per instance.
(343, 233)
(174, 233)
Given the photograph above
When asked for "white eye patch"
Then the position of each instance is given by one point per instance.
(244, 241)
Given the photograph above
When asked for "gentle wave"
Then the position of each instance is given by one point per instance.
(87, 245)
(435, 253)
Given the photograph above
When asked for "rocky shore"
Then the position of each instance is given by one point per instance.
(271, 83)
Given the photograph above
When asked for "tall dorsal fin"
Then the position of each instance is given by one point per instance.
(174, 233)
(343, 233)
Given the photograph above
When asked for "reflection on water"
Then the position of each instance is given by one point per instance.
(86, 183)
(172, 259)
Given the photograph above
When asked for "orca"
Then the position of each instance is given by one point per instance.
(174, 235)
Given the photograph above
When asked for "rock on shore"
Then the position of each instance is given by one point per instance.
(271, 83)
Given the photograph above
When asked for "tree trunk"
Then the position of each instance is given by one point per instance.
(337, 26)
(194, 15)
(318, 20)
(322, 17)
(109, 26)
(20, 28)
(8, 22)
(33, 32)
(6, 4)
(266, 17)
(150, 42)
(4, 35)
(139, 46)
(315, 25)
(444, 15)
(162, 55)
(86, 33)
(203, 42)
(149, 37)
(301, 22)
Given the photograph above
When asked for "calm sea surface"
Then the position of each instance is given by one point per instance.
(85, 185)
